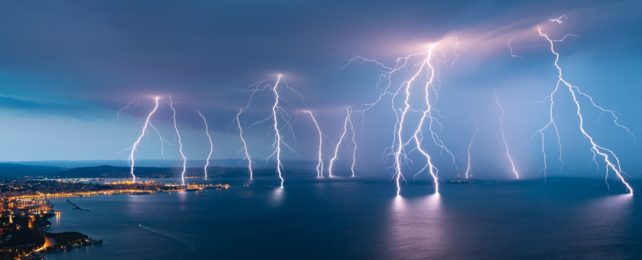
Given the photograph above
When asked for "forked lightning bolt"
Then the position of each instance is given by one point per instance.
(611, 161)
(398, 148)
(344, 132)
(319, 167)
(209, 138)
(277, 113)
(132, 153)
(502, 130)
(425, 115)
(180, 142)
(401, 143)
(162, 139)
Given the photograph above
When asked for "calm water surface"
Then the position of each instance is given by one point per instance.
(362, 219)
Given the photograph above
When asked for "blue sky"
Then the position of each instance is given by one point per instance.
(66, 68)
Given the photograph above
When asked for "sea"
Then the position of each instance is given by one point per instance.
(362, 219)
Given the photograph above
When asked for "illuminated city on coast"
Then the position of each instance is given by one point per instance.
(320, 130)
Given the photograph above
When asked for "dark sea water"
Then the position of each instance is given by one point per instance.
(345, 219)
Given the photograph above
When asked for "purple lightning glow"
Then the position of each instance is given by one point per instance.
(132, 161)
(180, 142)
(319, 166)
(425, 115)
(611, 161)
(502, 130)
(209, 138)
(344, 132)
(398, 148)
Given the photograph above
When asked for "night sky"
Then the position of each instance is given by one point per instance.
(67, 67)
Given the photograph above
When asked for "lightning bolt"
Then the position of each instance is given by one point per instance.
(467, 174)
(209, 138)
(344, 132)
(277, 111)
(180, 142)
(319, 167)
(400, 152)
(509, 157)
(246, 152)
(277, 132)
(510, 47)
(610, 159)
(244, 147)
(162, 139)
(353, 137)
(120, 111)
(132, 161)
(425, 115)
(398, 148)
(558, 20)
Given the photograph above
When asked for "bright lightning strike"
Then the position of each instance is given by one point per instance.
(344, 132)
(319, 167)
(509, 157)
(428, 120)
(278, 112)
(611, 161)
(132, 161)
(180, 142)
(469, 169)
(209, 138)
(246, 152)
(425, 115)
(400, 142)
(277, 132)
(353, 138)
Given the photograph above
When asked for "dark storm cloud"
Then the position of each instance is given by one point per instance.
(125, 49)
(100, 55)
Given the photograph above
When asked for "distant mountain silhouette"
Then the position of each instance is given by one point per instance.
(84, 169)
(13, 170)
(106, 171)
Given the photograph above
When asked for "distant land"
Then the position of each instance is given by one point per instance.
(171, 169)
(144, 169)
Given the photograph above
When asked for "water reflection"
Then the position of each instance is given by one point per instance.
(610, 212)
(276, 197)
(417, 227)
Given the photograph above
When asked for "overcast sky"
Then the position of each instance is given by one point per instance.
(67, 67)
